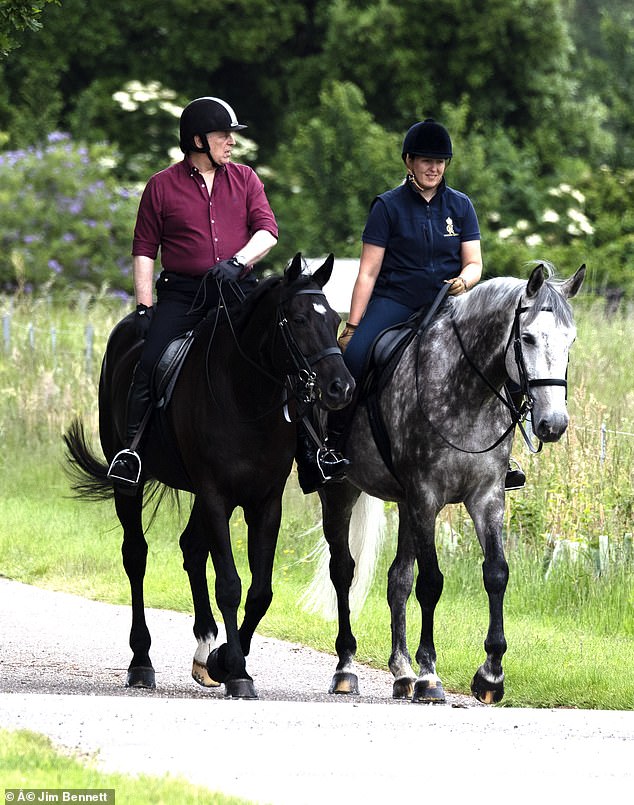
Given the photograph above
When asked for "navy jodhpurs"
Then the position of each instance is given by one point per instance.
(380, 314)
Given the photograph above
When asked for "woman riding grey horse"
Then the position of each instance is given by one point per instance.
(419, 237)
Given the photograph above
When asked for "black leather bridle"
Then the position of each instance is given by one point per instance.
(526, 383)
(305, 386)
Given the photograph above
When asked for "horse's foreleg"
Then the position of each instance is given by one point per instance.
(420, 524)
(263, 520)
(227, 662)
(134, 553)
(488, 682)
(337, 503)
(195, 550)
(400, 580)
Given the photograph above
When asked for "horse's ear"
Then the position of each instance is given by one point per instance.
(294, 269)
(535, 281)
(571, 286)
(322, 275)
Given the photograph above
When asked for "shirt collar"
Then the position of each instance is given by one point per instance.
(192, 170)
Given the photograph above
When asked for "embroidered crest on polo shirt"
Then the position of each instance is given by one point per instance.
(450, 231)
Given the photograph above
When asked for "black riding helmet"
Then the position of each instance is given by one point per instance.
(202, 116)
(428, 139)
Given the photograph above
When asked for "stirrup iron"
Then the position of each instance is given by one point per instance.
(122, 455)
(331, 464)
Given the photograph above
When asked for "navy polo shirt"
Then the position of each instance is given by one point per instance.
(421, 239)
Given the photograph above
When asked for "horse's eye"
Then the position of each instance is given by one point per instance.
(529, 339)
(299, 319)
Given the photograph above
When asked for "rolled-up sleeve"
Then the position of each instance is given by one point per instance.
(148, 227)
(260, 215)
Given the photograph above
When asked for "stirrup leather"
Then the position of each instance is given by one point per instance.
(121, 456)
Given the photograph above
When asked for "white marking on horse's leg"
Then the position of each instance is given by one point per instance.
(401, 667)
(346, 667)
(199, 666)
(488, 675)
(205, 646)
(431, 678)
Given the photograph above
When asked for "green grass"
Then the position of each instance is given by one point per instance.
(29, 760)
(570, 635)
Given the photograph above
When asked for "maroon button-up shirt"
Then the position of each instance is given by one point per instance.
(194, 229)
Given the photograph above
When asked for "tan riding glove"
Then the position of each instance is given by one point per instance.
(457, 285)
(346, 335)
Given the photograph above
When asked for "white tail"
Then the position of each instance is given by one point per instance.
(367, 532)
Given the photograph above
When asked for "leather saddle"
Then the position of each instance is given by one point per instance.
(168, 368)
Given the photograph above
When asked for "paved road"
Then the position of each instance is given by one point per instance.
(295, 745)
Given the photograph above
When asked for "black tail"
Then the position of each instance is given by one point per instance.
(87, 473)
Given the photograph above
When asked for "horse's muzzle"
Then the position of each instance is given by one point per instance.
(550, 428)
(337, 394)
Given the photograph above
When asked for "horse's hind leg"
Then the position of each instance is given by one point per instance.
(134, 552)
(487, 684)
(400, 580)
(337, 503)
(195, 549)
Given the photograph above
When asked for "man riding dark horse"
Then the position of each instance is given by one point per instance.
(211, 220)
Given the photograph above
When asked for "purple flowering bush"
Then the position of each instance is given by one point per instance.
(65, 221)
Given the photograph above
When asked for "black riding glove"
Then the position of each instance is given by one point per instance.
(142, 320)
(228, 270)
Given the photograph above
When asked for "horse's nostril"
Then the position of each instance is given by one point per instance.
(551, 429)
(338, 388)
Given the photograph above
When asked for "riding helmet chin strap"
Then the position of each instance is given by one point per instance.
(205, 149)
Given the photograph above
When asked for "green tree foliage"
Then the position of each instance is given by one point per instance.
(604, 36)
(335, 163)
(511, 58)
(17, 16)
(536, 93)
(89, 50)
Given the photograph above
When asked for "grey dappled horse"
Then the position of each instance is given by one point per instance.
(450, 432)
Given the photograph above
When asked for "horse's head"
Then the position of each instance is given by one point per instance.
(543, 333)
(309, 327)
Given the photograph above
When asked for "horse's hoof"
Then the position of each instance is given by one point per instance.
(215, 669)
(141, 676)
(403, 688)
(428, 691)
(486, 691)
(240, 689)
(201, 675)
(345, 682)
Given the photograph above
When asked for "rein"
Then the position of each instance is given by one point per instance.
(301, 380)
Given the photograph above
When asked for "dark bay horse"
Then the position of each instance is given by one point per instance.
(227, 437)
(450, 435)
